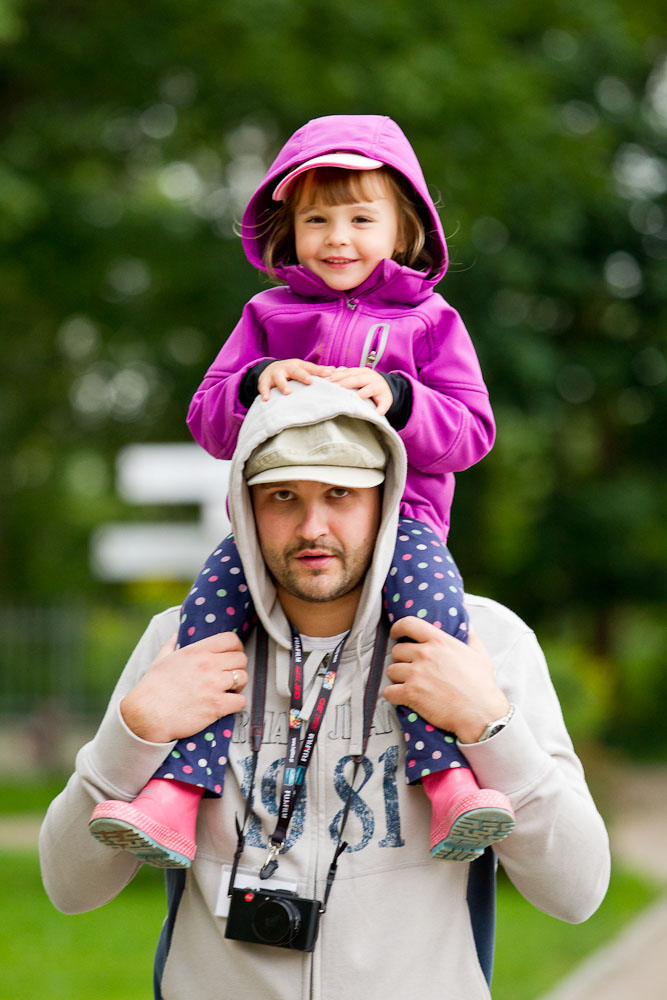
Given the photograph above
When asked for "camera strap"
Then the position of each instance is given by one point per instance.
(296, 764)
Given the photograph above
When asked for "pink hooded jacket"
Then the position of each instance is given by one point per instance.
(394, 321)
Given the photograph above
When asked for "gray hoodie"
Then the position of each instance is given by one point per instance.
(398, 923)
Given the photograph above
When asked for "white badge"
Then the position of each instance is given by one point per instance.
(245, 880)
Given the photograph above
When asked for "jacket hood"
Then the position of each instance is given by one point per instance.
(321, 400)
(375, 136)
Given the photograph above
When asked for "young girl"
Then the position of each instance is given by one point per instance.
(345, 221)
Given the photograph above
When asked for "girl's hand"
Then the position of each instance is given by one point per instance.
(371, 385)
(279, 374)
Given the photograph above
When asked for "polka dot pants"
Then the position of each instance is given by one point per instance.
(423, 581)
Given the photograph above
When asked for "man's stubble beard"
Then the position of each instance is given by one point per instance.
(297, 585)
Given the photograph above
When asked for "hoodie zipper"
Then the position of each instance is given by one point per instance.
(321, 671)
(338, 342)
(375, 343)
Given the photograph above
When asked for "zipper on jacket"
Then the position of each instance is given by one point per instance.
(338, 345)
(311, 986)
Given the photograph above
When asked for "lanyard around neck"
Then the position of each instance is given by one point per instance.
(257, 734)
(297, 761)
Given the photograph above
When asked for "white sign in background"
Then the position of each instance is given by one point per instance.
(163, 474)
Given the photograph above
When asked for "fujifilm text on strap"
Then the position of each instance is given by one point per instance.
(296, 763)
(259, 692)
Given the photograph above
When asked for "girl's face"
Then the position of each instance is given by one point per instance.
(343, 244)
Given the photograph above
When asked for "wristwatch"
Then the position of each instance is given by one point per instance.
(495, 727)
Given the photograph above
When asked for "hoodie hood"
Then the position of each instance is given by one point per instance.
(375, 136)
(321, 400)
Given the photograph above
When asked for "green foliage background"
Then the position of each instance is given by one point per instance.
(132, 135)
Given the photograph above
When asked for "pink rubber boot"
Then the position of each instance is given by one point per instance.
(159, 826)
(465, 818)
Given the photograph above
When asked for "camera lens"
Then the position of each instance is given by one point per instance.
(276, 921)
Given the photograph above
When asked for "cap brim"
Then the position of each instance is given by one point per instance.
(346, 161)
(333, 475)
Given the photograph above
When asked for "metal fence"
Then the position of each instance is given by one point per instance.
(42, 659)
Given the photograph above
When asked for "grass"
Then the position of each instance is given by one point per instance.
(29, 796)
(92, 956)
(534, 951)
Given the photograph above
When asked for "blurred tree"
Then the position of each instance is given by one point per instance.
(132, 136)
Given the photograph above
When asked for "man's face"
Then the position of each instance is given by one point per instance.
(317, 540)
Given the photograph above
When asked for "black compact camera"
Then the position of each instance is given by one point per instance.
(273, 916)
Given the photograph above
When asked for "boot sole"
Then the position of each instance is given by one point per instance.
(472, 832)
(123, 831)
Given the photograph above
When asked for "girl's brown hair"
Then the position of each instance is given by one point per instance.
(337, 186)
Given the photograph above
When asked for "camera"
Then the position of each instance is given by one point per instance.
(273, 916)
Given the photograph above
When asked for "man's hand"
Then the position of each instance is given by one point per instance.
(280, 373)
(370, 383)
(450, 684)
(185, 690)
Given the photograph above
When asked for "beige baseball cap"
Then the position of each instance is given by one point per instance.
(343, 451)
(348, 161)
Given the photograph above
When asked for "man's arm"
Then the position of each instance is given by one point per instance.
(558, 853)
(160, 695)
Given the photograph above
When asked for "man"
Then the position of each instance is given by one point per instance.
(315, 555)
